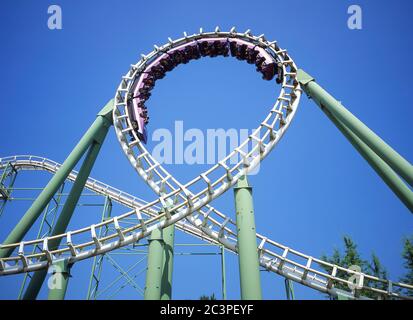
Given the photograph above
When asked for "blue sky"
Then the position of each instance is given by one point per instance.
(313, 189)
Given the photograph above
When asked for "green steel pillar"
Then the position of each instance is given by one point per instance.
(394, 182)
(289, 289)
(45, 230)
(155, 265)
(67, 211)
(104, 119)
(59, 280)
(376, 152)
(249, 267)
(168, 262)
(223, 277)
(400, 165)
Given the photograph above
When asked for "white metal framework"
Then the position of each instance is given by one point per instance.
(178, 203)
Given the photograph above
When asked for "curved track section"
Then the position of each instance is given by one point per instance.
(251, 151)
(176, 201)
(185, 199)
(275, 257)
(30, 162)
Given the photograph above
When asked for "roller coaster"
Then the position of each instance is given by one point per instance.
(186, 206)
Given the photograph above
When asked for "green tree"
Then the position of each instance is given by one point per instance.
(408, 264)
(351, 257)
(205, 297)
(376, 269)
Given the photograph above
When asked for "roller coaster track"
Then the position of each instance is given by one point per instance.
(178, 202)
(31, 162)
(282, 264)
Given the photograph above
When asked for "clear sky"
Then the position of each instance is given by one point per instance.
(314, 187)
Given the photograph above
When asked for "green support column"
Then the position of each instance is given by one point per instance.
(45, 230)
(394, 182)
(155, 265)
(335, 112)
(400, 165)
(59, 280)
(68, 209)
(168, 262)
(223, 277)
(289, 289)
(249, 267)
(103, 120)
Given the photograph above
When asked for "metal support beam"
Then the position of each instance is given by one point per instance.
(223, 275)
(102, 122)
(395, 183)
(68, 209)
(45, 230)
(289, 289)
(59, 280)
(97, 265)
(155, 266)
(168, 262)
(249, 268)
(400, 165)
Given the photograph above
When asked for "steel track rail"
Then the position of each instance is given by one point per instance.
(269, 259)
(31, 162)
(251, 152)
(178, 202)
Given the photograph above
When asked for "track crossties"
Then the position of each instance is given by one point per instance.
(266, 63)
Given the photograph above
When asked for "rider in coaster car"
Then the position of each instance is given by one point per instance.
(158, 72)
(143, 90)
(147, 87)
(233, 48)
(144, 96)
(211, 50)
(185, 57)
(173, 58)
(215, 48)
(268, 71)
(224, 48)
(179, 58)
(258, 62)
(194, 52)
(280, 73)
(251, 55)
(187, 52)
(203, 48)
(134, 126)
(166, 63)
(241, 53)
(149, 80)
